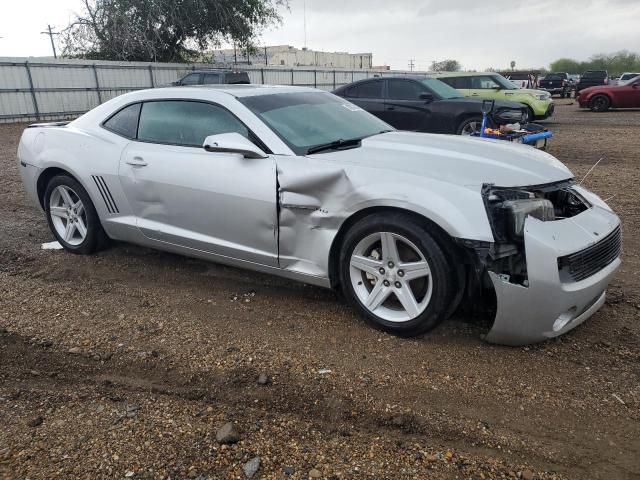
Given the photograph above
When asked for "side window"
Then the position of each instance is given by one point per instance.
(457, 82)
(191, 79)
(211, 78)
(404, 89)
(125, 122)
(366, 90)
(484, 83)
(185, 123)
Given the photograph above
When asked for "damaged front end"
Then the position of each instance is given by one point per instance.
(554, 254)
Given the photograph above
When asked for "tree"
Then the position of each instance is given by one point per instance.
(165, 30)
(446, 66)
(615, 63)
(566, 65)
(513, 64)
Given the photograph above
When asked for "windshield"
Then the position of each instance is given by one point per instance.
(504, 83)
(440, 88)
(307, 119)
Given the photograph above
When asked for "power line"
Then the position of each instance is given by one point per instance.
(412, 64)
(51, 33)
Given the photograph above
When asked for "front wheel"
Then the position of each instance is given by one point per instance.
(600, 103)
(396, 274)
(72, 218)
(470, 126)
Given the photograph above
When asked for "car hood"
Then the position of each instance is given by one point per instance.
(599, 88)
(464, 161)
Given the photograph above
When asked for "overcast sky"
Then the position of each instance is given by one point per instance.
(477, 33)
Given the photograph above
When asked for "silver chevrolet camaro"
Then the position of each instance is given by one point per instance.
(301, 183)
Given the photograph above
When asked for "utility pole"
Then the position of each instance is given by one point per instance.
(235, 55)
(411, 64)
(266, 58)
(305, 24)
(51, 33)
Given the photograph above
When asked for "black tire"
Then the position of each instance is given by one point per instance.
(444, 294)
(465, 124)
(563, 94)
(600, 103)
(532, 115)
(96, 238)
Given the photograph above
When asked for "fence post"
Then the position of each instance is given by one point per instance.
(334, 79)
(352, 76)
(262, 75)
(153, 84)
(33, 93)
(315, 79)
(95, 75)
(292, 77)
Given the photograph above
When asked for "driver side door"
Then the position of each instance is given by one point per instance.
(219, 203)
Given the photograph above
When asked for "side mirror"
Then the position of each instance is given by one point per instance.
(232, 143)
(635, 85)
(427, 97)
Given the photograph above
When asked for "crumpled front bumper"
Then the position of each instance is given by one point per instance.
(549, 306)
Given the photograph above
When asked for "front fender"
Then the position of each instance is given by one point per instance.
(315, 203)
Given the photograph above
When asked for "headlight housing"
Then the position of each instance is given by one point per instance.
(518, 210)
(541, 95)
(509, 116)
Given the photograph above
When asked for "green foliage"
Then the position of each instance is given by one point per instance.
(446, 66)
(165, 30)
(614, 63)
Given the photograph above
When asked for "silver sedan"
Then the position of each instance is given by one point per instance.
(300, 183)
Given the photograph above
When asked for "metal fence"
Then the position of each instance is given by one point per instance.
(43, 89)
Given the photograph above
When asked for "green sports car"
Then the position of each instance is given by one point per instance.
(494, 85)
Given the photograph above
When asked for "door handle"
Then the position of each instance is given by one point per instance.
(137, 162)
(391, 108)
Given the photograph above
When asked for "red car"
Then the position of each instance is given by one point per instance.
(603, 97)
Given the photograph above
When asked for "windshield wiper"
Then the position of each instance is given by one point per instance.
(353, 142)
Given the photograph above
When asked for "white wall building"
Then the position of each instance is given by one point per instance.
(287, 56)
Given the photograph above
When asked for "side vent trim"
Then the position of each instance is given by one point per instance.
(105, 193)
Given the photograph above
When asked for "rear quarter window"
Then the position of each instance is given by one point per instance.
(124, 122)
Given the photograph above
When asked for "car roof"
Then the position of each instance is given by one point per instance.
(213, 70)
(236, 90)
(461, 74)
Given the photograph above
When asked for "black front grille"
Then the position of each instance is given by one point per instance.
(583, 264)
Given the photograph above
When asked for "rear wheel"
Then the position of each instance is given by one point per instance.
(396, 274)
(72, 218)
(600, 103)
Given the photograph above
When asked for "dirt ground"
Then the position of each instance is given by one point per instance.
(125, 364)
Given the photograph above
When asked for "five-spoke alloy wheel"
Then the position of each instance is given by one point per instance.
(72, 217)
(68, 215)
(395, 272)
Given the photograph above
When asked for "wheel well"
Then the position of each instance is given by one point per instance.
(44, 179)
(442, 237)
(596, 95)
(464, 117)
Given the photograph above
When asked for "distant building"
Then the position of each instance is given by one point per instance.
(287, 56)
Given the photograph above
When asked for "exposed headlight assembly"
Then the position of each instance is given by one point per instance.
(519, 210)
(508, 210)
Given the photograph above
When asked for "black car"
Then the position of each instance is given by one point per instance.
(592, 78)
(424, 104)
(213, 77)
(558, 82)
